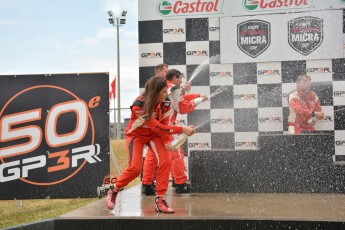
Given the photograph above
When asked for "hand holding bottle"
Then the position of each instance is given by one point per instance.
(186, 87)
(180, 139)
(319, 115)
(204, 98)
(188, 130)
(200, 99)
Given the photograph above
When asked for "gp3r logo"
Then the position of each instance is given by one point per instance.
(46, 135)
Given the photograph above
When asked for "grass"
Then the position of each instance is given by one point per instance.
(12, 213)
(17, 212)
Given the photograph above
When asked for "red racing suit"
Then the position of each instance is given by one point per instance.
(302, 107)
(182, 104)
(154, 132)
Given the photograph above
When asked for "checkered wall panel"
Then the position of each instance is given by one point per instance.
(246, 99)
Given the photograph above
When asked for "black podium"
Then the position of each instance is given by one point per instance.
(281, 164)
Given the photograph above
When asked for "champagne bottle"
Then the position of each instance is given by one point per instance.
(179, 140)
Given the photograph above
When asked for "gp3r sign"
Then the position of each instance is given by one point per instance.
(49, 132)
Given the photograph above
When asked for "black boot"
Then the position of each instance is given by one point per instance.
(173, 184)
(148, 190)
(183, 188)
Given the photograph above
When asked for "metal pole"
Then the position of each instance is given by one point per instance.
(114, 120)
(118, 81)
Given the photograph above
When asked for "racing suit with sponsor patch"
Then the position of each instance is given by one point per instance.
(181, 104)
(302, 107)
(154, 132)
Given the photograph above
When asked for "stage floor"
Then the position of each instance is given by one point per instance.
(250, 206)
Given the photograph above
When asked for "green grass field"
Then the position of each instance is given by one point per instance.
(16, 212)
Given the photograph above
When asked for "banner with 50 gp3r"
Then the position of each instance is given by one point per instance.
(54, 135)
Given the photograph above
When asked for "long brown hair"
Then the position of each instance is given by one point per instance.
(152, 89)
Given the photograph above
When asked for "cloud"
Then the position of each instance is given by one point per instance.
(63, 50)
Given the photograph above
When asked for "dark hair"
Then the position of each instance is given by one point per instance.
(152, 88)
(160, 67)
(173, 72)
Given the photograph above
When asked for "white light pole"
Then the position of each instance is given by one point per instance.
(117, 21)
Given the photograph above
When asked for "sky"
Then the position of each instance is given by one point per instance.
(70, 36)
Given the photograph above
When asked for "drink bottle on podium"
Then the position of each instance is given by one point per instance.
(179, 140)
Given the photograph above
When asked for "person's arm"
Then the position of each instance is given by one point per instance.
(143, 119)
(190, 97)
(183, 104)
(166, 138)
(160, 128)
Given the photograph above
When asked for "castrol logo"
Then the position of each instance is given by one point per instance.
(189, 7)
(271, 5)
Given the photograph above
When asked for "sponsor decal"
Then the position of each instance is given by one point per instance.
(270, 120)
(339, 93)
(189, 7)
(174, 31)
(246, 144)
(181, 122)
(39, 140)
(197, 53)
(104, 188)
(340, 143)
(222, 121)
(199, 145)
(214, 29)
(220, 74)
(319, 70)
(272, 5)
(248, 96)
(253, 37)
(286, 94)
(269, 72)
(305, 34)
(151, 55)
(164, 8)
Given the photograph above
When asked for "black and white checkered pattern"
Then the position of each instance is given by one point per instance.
(251, 98)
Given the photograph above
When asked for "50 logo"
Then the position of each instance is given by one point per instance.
(42, 129)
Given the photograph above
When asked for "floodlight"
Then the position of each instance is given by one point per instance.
(110, 13)
(111, 21)
(122, 21)
(124, 13)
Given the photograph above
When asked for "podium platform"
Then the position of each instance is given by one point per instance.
(212, 211)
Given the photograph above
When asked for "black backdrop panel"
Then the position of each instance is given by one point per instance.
(55, 138)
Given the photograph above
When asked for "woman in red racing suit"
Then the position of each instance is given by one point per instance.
(148, 125)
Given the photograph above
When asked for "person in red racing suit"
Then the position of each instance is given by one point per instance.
(181, 104)
(304, 107)
(149, 125)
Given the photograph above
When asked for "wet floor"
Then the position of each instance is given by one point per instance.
(248, 206)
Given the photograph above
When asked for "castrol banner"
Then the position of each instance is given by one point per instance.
(54, 135)
(282, 37)
(255, 7)
(173, 9)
